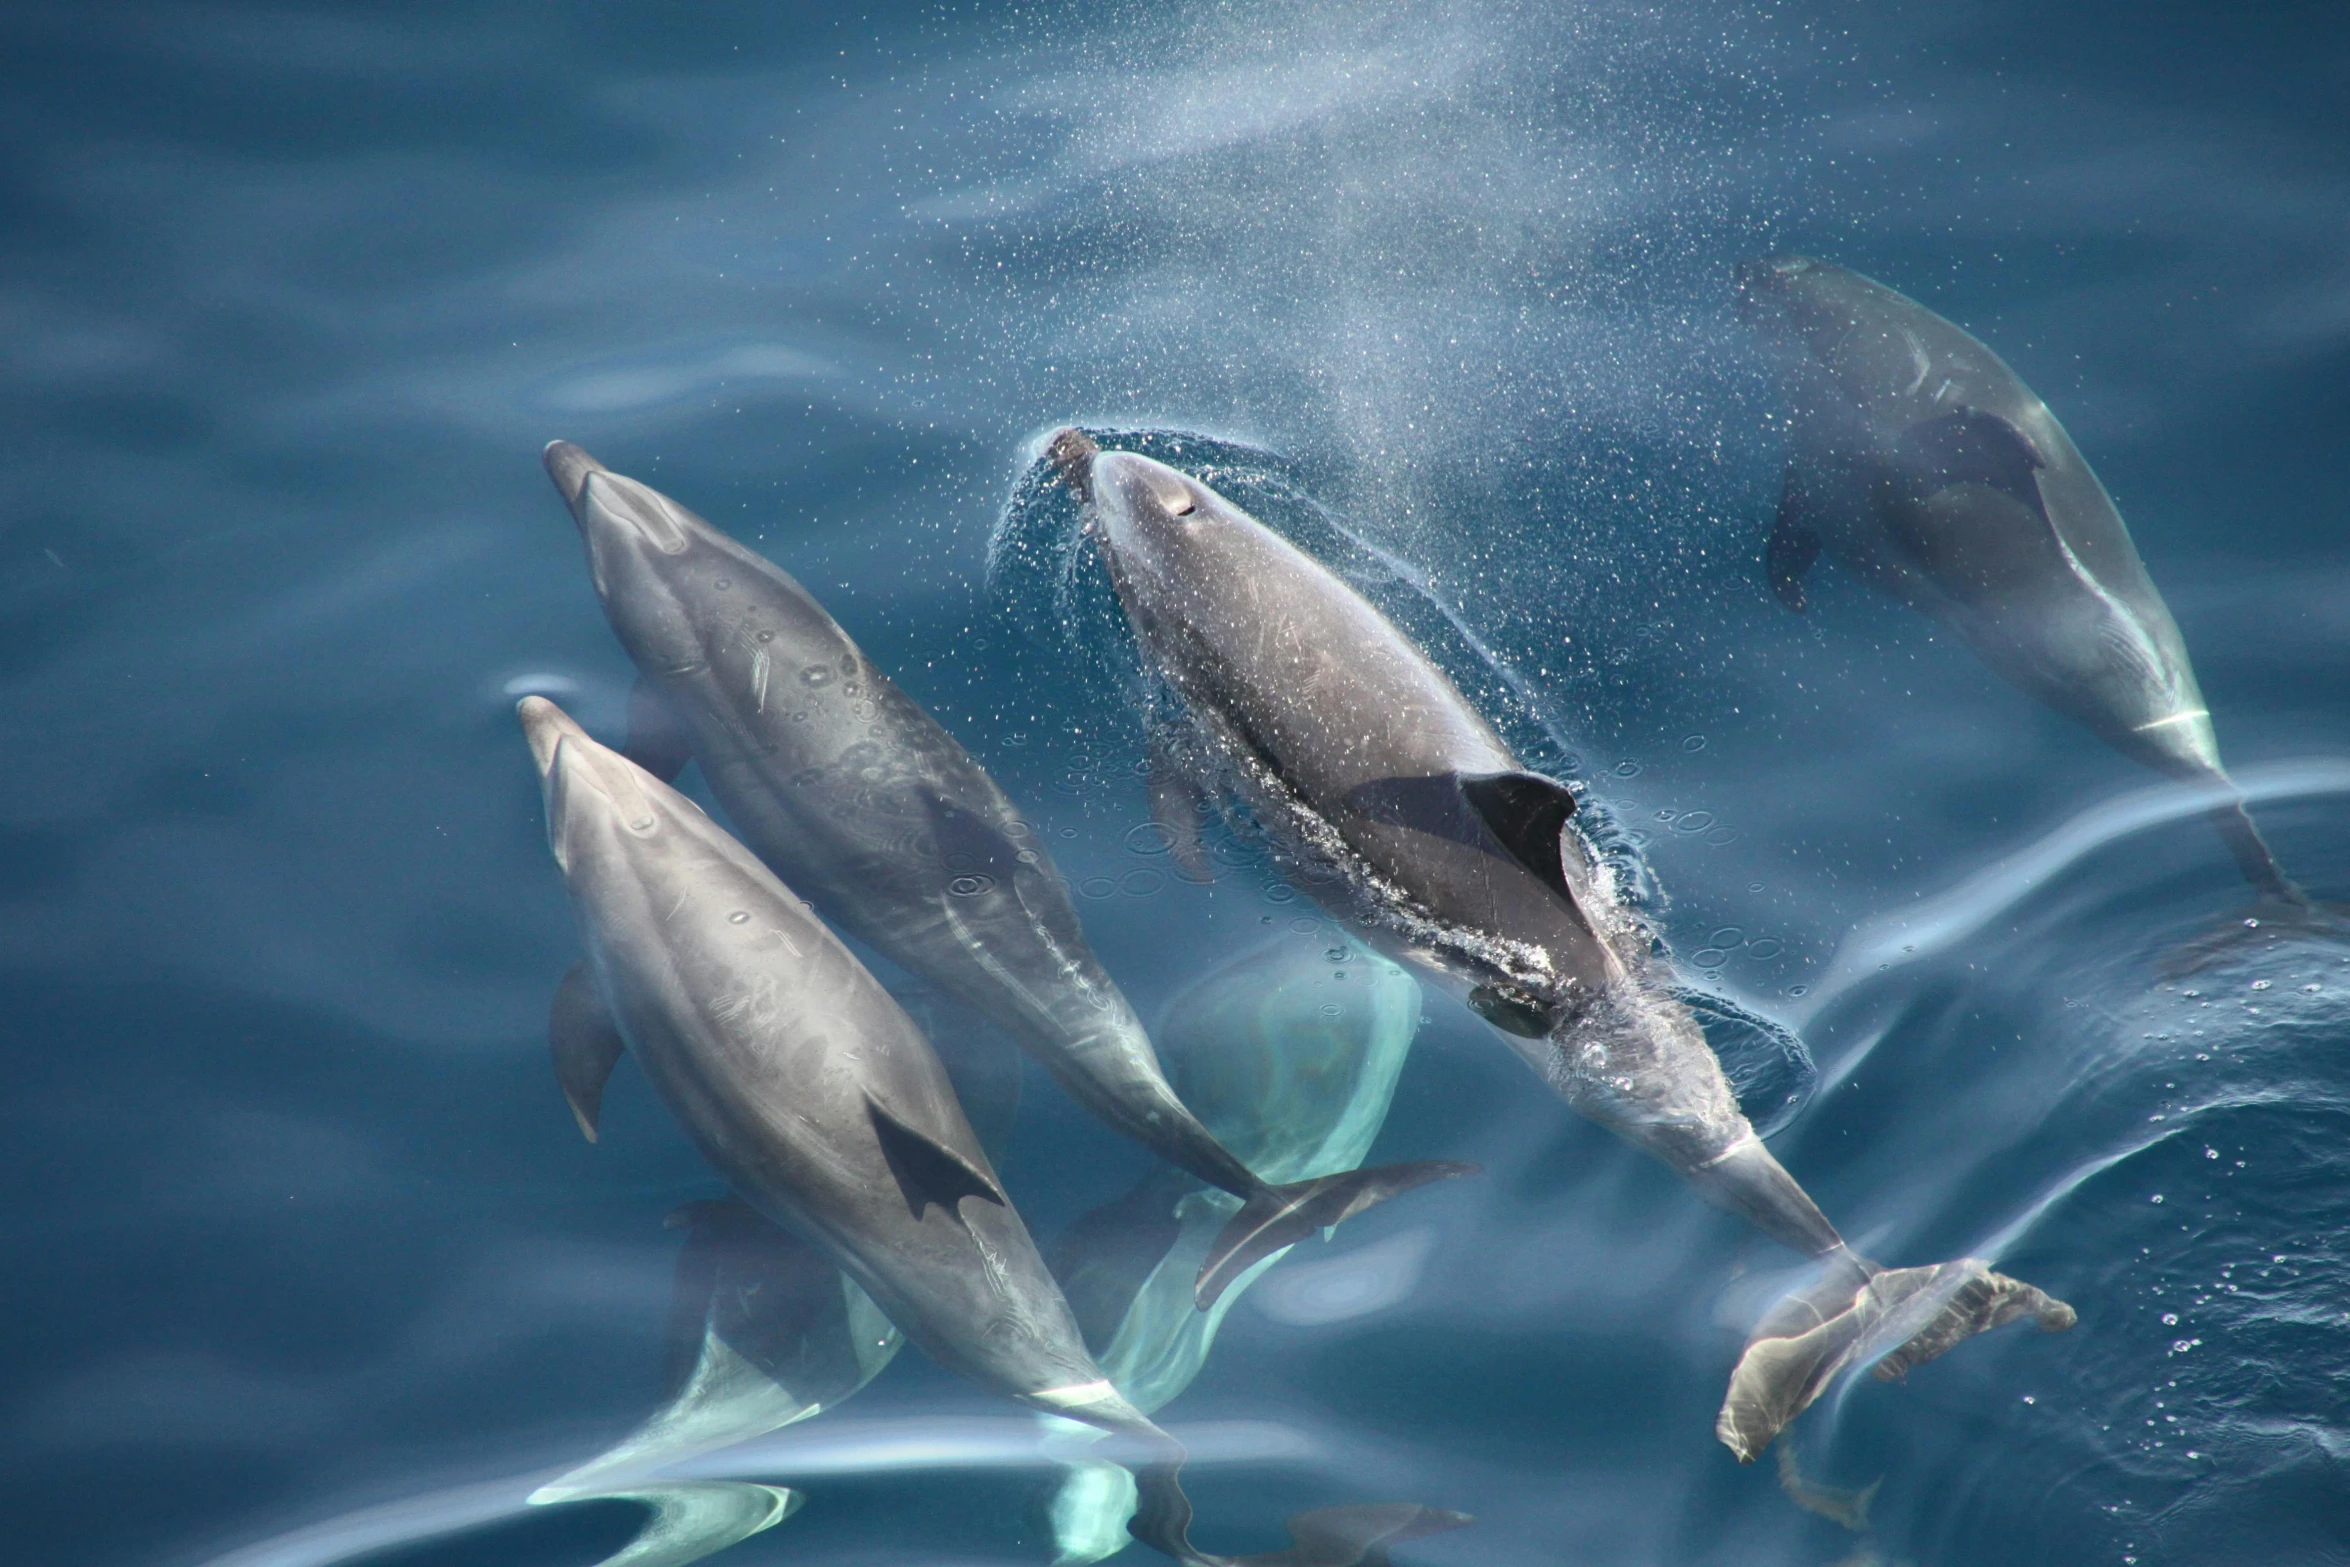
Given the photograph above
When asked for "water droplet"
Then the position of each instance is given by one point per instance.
(1709, 957)
(1097, 886)
(2260, 984)
(1799, 990)
(766, 636)
(1330, 1009)
(1141, 883)
(2157, 1197)
(1306, 927)
(2170, 1319)
(723, 583)
(1728, 936)
(1336, 954)
(1754, 886)
(1147, 838)
(1721, 837)
(739, 917)
(970, 886)
(1764, 948)
(1693, 743)
(1694, 821)
(2252, 924)
(642, 824)
(816, 675)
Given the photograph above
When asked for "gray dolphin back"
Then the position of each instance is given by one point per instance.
(850, 790)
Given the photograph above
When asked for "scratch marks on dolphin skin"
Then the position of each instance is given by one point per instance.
(759, 668)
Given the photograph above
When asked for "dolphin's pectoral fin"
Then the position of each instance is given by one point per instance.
(657, 741)
(1794, 545)
(1526, 813)
(1178, 806)
(586, 1042)
(927, 1170)
(1974, 447)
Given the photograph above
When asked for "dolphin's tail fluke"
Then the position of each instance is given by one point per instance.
(1279, 1216)
(1855, 1313)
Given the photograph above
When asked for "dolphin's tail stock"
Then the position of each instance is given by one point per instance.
(1355, 1536)
(1856, 1312)
(2282, 911)
(1278, 1216)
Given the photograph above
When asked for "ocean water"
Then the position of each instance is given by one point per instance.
(307, 1262)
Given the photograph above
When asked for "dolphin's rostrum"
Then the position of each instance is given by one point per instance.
(814, 1094)
(1407, 813)
(852, 792)
(1925, 466)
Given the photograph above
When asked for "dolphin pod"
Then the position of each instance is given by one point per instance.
(815, 1095)
(1922, 463)
(1406, 814)
(851, 791)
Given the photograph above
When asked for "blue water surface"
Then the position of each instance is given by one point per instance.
(307, 1262)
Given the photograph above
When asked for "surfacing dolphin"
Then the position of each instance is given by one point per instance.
(848, 789)
(814, 1094)
(1921, 462)
(1395, 803)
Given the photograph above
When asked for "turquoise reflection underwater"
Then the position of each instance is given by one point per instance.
(1290, 1056)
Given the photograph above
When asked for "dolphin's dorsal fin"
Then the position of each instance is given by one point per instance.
(927, 1170)
(1974, 447)
(585, 1042)
(657, 740)
(1795, 540)
(1526, 813)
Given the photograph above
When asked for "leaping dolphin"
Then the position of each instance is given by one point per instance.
(813, 1093)
(848, 789)
(1406, 814)
(1920, 461)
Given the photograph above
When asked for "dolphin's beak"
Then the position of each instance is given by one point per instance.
(569, 466)
(1072, 452)
(602, 501)
(546, 726)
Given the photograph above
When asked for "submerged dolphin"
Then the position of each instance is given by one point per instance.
(813, 1093)
(848, 788)
(764, 1332)
(1917, 459)
(1404, 811)
(1292, 1060)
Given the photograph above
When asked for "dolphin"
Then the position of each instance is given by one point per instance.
(1921, 462)
(812, 1092)
(1396, 805)
(764, 1332)
(851, 791)
(1292, 1060)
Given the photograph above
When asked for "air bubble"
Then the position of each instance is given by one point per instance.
(1694, 821)
(1709, 957)
(739, 917)
(970, 886)
(1799, 990)
(642, 824)
(723, 583)
(2260, 984)
(816, 675)
(1148, 838)
(1727, 936)
(1305, 927)
(1330, 1009)
(1141, 883)
(1627, 769)
(1721, 838)
(766, 636)
(1097, 886)
(1693, 743)
(1764, 948)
